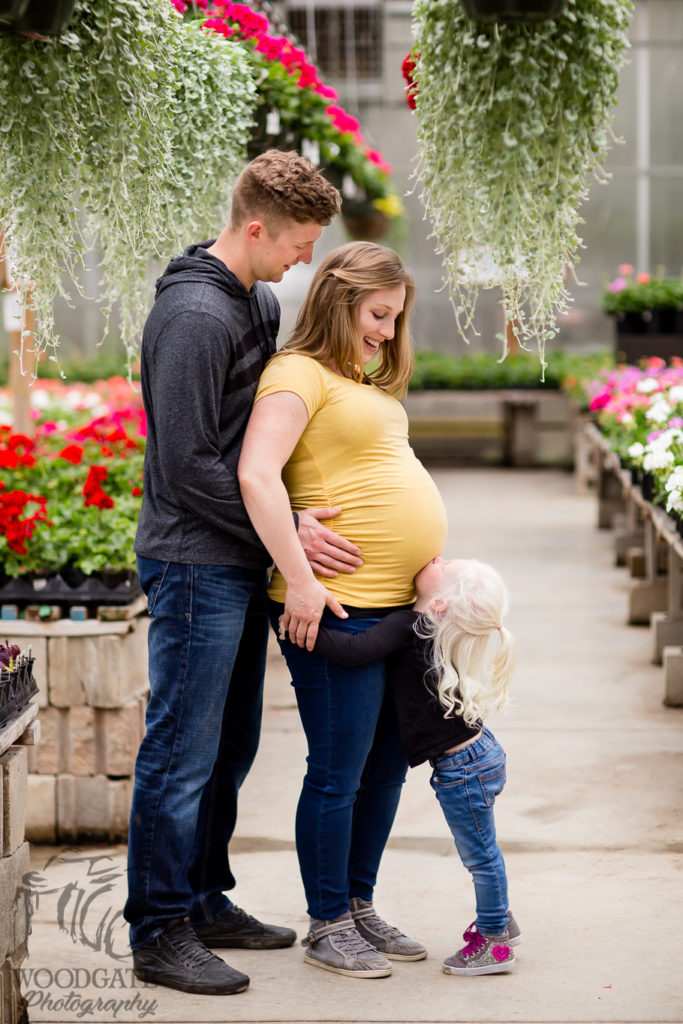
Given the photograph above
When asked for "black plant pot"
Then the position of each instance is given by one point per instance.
(513, 10)
(647, 486)
(633, 323)
(16, 689)
(11, 11)
(45, 17)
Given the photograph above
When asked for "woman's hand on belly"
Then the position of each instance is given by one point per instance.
(304, 606)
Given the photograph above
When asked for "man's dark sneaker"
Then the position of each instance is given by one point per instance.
(239, 930)
(177, 959)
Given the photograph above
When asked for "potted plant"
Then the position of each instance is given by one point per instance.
(17, 684)
(648, 313)
(70, 499)
(295, 109)
(513, 122)
(125, 112)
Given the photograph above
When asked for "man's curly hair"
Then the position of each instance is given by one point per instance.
(278, 186)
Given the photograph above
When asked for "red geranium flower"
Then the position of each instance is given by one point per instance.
(72, 453)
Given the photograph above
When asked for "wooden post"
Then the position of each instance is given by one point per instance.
(509, 326)
(22, 359)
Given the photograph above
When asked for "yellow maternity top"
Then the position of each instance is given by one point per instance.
(354, 453)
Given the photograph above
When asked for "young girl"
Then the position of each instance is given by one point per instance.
(449, 661)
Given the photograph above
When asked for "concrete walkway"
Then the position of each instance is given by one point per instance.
(591, 822)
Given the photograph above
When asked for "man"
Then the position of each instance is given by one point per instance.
(210, 333)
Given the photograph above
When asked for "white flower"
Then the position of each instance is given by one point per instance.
(675, 480)
(674, 502)
(659, 411)
(636, 450)
(646, 385)
(675, 394)
(657, 458)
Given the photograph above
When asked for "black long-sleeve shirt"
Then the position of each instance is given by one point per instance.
(425, 732)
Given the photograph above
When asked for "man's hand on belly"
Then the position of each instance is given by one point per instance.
(328, 553)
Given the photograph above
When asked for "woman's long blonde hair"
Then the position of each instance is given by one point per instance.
(326, 326)
(472, 653)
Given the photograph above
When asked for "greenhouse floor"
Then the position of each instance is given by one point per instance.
(591, 822)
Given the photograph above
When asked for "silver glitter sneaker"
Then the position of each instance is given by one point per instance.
(384, 937)
(336, 946)
(483, 954)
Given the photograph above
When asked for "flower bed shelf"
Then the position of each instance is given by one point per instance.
(116, 588)
(17, 686)
(657, 597)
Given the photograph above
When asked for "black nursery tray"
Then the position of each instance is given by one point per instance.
(16, 689)
(71, 587)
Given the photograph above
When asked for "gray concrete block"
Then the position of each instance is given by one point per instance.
(101, 670)
(119, 732)
(92, 808)
(41, 809)
(667, 632)
(646, 598)
(14, 779)
(673, 676)
(14, 918)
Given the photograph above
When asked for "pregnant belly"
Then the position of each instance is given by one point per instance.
(399, 527)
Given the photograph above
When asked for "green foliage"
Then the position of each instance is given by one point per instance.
(437, 370)
(140, 119)
(513, 120)
(643, 296)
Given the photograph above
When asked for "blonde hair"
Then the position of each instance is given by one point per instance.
(278, 187)
(326, 327)
(472, 653)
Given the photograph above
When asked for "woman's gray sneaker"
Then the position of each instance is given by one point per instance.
(384, 937)
(336, 946)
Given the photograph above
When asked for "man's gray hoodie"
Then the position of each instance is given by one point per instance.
(204, 345)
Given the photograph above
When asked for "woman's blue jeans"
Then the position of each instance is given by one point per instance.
(355, 770)
(466, 785)
(207, 650)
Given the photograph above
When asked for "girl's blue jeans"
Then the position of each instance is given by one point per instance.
(355, 770)
(466, 785)
(207, 651)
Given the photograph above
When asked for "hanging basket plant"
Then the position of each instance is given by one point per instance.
(107, 131)
(514, 120)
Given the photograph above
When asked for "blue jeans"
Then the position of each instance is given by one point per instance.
(466, 785)
(355, 770)
(207, 653)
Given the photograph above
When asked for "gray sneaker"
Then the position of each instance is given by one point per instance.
(384, 937)
(483, 954)
(336, 946)
(514, 931)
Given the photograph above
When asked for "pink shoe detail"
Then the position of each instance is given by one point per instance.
(500, 953)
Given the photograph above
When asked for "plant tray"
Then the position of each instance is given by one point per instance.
(71, 588)
(16, 689)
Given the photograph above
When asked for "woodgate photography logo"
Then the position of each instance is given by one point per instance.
(84, 910)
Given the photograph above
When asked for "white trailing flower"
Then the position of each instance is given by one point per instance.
(121, 135)
(513, 123)
(636, 450)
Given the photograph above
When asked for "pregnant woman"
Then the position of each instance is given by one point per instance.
(327, 429)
